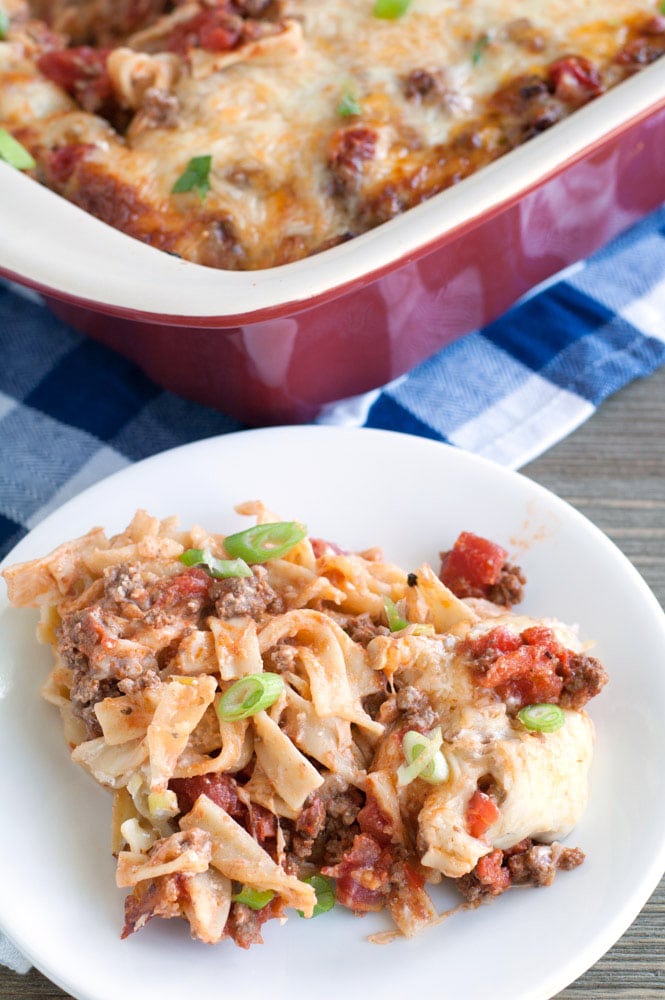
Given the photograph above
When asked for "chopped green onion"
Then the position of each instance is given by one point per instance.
(14, 153)
(662, 7)
(348, 106)
(4, 24)
(543, 718)
(390, 10)
(423, 628)
(395, 621)
(423, 758)
(196, 177)
(265, 541)
(249, 695)
(325, 894)
(221, 569)
(254, 898)
(479, 48)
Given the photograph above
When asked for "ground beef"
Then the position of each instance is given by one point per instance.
(89, 644)
(362, 629)
(251, 595)
(509, 589)
(425, 86)
(523, 33)
(97, 643)
(585, 678)
(524, 864)
(373, 704)
(539, 863)
(159, 109)
(125, 587)
(282, 657)
(327, 824)
(161, 897)
(244, 924)
(527, 107)
(417, 712)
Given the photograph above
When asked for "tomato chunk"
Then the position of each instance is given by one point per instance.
(525, 669)
(575, 80)
(491, 873)
(472, 565)
(215, 29)
(481, 812)
(82, 72)
(497, 640)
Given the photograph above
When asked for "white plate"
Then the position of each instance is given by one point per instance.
(58, 899)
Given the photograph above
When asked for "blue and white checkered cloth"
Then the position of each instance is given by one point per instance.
(72, 411)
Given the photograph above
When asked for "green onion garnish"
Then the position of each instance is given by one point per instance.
(196, 177)
(265, 541)
(395, 621)
(14, 153)
(543, 718)
(221, 569)
(662, 7)
(4, 24)
(423, 758)
(349, 106)
(423, 628)
(325, 894)
(254, 898)
(478, 49)
(390, 10)
(249, 695)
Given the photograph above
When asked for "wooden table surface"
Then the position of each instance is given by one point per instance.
(613, 470)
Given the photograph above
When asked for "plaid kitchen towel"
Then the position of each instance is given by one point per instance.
(72, 411)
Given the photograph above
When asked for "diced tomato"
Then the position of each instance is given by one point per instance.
(322, 547)
(215, 29)
(193, 584)
(481, 812)
(374, 821)
(539, 684)
(499, 640)
(472, 565)
(575, 80)
(363, 875)
(514, 664)
(62, 162)
(492, 874)
(524, 669)
(349, 148)
(222, 789)
(81, 71)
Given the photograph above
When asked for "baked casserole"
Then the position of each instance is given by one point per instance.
(246, 134)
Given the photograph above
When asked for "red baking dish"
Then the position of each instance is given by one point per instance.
(275, 346)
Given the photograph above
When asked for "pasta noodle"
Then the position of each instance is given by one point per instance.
(267, 710)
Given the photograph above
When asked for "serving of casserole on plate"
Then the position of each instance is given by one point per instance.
(357, 176)
(157, 638)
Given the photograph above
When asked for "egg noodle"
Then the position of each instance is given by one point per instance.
(285, 724)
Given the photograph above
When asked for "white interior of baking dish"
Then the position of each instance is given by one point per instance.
(54, 246)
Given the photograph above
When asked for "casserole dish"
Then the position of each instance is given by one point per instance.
(276, 345)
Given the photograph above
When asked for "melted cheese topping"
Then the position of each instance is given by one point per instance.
(287, 176)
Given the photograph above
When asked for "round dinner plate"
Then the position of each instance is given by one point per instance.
(360, 488)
